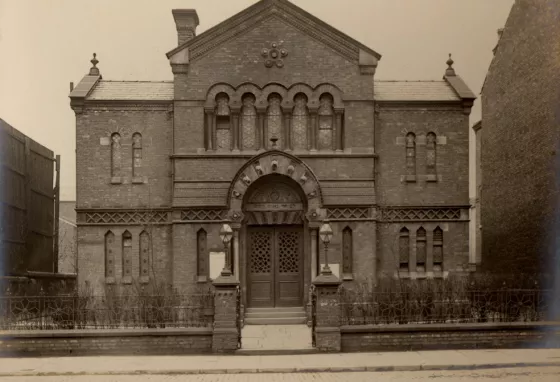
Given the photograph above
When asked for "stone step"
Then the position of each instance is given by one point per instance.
(299, 314)
(276, 310)
(276, 321)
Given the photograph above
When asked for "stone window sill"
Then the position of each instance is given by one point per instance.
(109, 280)
(431, 178)
(410, 178)
(138, 180)
(202, 279)
(127, 280)
(347, 277)
(144, 279)
(116, 180)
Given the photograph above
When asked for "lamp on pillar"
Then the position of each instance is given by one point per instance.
(326, 233)
(226, 233)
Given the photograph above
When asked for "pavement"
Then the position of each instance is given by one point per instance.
(279, 364)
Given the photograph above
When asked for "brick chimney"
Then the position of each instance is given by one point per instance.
(186, 21)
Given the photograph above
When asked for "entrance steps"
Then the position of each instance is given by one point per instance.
(275, 316)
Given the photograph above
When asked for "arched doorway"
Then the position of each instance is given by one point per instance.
(274, 208)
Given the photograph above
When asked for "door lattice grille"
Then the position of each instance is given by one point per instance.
(261, 252)
(288, 251)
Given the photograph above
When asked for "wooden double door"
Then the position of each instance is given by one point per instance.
(275, 264)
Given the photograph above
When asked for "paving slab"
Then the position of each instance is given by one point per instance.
(232, 364)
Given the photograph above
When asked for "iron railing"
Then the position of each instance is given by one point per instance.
(106, 312)
(425, 307)
(238, 315)
(313, 296)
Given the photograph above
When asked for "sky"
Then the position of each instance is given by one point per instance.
(44, 45)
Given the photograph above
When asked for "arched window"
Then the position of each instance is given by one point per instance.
(136, 154)
(144, 255)
(109, 254)
(127, 254)
(411, 154)
(326, 114)
(404, 249)
(249, 122)
(347, 256)
(421, 250)
(274, 119)
(431, 154)
(438, 249)
(300, 116)
(116, 155)
(223, 136)
(202, 254)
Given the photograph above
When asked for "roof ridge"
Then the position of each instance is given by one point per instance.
(438, 81)
(144, 81)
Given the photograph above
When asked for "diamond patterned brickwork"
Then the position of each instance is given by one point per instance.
(210, 215)
(126, 217)
(412, 214)
(347, 213)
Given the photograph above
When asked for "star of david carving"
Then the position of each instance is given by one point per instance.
(274, 55)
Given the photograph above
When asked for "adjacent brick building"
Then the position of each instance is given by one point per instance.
(519, 143)
(273, 123)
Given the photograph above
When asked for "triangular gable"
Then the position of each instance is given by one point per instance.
(252, 16)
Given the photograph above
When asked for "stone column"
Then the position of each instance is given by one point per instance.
(313, 128)
(235, 128)
(226, 330)
(261, 115)
(327, 312)
(210, 120)
(338, 129)
(287, 128)
(235, 239)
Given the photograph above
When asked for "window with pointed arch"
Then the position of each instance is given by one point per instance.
(411, 154)
(404, 249)
(300, 117)
(421, 250)
(274, 119)
(325, 113)
(431, 154)
(109, 255)
(249, 122)
(144, 255)
(116, 155)
(438, 249)
(223, 130)
(127, 254)
(203, 266)
(347, 254)
(136, 154)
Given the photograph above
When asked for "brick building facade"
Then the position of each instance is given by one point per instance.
(274, 123)
(519, 143)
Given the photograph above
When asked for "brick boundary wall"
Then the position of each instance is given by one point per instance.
(367, 338)
(105, 342)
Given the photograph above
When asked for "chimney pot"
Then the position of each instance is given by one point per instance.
(186, 21)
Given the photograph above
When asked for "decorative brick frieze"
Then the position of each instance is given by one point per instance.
(421, 214)
(348, 213)
(203, 215)
(134, 217)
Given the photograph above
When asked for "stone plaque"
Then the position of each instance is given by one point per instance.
(104, 141)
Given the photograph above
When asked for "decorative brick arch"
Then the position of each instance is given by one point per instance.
(273, 88)
(333, 91)
(217, 89)
(248, 87)
(280, 163)
(299, 88)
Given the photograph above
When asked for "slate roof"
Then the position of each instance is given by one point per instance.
(414, 91)
(163, 91)
(132, 91)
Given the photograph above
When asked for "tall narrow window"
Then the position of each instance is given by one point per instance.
(404, 249)
(421, 250)
(300, 116)
(347, 257)
(249, 122)
(116, 155)
(202, 255)
(274, 119)
(410, 154)
(431, 154)
(136, 154)
(326, 114)
(109, 254)
(127, 254)
(438, 250)
(223, 131)
(144, 255)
